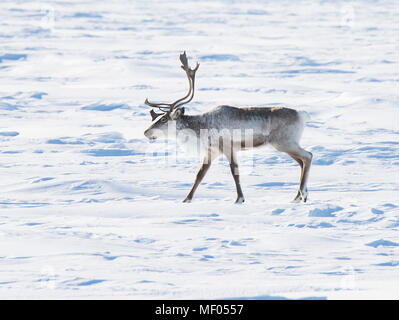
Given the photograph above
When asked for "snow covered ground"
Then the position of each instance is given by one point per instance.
(90, 209)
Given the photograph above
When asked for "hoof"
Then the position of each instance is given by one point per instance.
(304, 195)
(240, 200)
(296, 200)
(301, 196)
(187, 200)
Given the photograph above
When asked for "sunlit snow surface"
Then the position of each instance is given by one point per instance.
(90, 209)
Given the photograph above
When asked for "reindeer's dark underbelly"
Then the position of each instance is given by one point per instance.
(257, 141)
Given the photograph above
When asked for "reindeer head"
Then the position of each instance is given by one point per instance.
(170, 111)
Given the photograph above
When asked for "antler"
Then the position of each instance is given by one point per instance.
(169, 107)
(158, 105)
(191, 78)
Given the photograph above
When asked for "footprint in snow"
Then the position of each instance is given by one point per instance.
(237, 244)
(325, 212)
(105, 107)
(388, 264)
(89, 283)
(382, 243)
(322, 225)
(276, 212)
(200, 249)
(376, 211)
(9, 133)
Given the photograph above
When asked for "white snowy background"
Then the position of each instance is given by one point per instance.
(90, 209)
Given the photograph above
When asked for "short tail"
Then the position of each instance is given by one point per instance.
(304, 116)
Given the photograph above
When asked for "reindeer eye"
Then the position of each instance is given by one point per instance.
(164, 120)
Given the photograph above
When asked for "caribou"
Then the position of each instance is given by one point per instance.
(279, 127)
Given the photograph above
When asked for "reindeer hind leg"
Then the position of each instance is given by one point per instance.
(234, 171)
(304, 159)
(298, 196)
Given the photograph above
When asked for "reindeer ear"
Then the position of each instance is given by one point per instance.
(177, 113)
(154, 115)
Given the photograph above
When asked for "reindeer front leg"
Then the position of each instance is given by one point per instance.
(200, 175)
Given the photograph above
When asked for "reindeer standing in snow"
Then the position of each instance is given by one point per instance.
(279, 127)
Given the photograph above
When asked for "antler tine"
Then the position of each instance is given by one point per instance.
(158, 105)
(192, 84)
(191, 77)
(151, 104)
